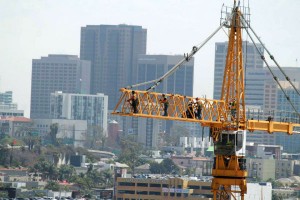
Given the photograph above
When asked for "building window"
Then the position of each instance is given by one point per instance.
(154, 193)
(194, 187)
(126, 184)
(142, 184)
(155, 185)
(206, 188)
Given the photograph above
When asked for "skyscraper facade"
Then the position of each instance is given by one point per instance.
(92, 108)
(66, 73)
(285, 112)
(253, 68)
(6, 97)
(113, 51)
(151, 67)
(7, 107)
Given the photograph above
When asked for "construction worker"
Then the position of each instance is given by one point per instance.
(232, 106)
(190, 110)
(198, 105)
(133, 101)
(165, 103)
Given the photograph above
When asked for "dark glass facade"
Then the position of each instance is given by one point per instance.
(113, 51)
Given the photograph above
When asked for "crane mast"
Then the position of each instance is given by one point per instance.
(233, 80)
(229, 163)
(226, 117)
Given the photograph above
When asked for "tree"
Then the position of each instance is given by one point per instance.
(65, 172)
(53, 134)
(48, 170)
(31, 140)
(52, 185)
(107, 178)
(4, 151)
(130, 154)
(83, 182)
(155, 168)
(167, 166)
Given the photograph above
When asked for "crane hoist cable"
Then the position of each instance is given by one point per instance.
(264, 59)
(187, 58)
(272, 57)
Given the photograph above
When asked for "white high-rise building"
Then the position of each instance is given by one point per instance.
(66, 73)
(92, 108)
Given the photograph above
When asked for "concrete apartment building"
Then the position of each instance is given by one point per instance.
(262, 151)
(265, 169)
(17, 127)
(113, 52)
(71, 132)
(92, 108)
(262, 169)
(284, 168)
(66, 73)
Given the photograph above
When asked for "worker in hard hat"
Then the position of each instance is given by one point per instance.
(198, 105)
(232, 106)
(165, 103)
(133, 101)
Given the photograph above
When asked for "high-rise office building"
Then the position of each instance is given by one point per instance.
(92, 108)
(7, 107)
(66, 73)
(275, 103)
(6, 97)
(279, 108)
(151, 67)
(113, 51)
(284, 112)
(253, 67)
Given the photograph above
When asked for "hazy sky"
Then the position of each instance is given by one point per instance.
(34, 28)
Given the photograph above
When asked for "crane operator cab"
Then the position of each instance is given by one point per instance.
(231, 143)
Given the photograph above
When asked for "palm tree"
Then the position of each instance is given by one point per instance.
(65, 172)
(53, 133)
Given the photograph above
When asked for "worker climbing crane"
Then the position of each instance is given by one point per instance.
(226, 117)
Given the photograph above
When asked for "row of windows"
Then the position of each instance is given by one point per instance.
(37, 64)
(162, 185)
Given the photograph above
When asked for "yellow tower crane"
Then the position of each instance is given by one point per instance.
(226, 117)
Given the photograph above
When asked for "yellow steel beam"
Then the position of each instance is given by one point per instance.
(213, 112)
(273, 126)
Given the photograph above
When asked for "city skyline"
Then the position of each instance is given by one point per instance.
(34, 29)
